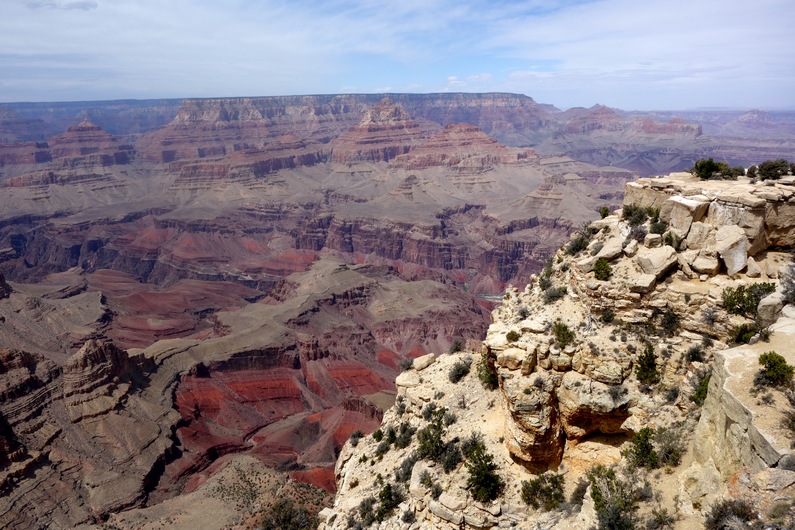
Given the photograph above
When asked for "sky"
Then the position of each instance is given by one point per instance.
(628, 54)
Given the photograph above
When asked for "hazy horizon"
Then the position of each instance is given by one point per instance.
(678, 55)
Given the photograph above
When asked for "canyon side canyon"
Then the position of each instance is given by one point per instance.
(199, 296)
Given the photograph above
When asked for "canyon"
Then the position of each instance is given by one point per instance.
(188, 285)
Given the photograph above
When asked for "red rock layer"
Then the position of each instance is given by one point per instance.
(462, 147)
(385, 132)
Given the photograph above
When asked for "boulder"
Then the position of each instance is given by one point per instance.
(631, 249)
(656, 261)
(684, 212)
(769, 308)
(442, 512)
(511, 358)
(642, 283)
(706, 265)
(701, 235)
(421, 363)
(612, 248)
(752, 268)
(652, 240)
(586, 264)
(732, 245)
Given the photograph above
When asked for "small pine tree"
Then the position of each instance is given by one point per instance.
(646, 367)
(602, 269)
(483, 482)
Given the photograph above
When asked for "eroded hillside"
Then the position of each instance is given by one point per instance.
(617, 396)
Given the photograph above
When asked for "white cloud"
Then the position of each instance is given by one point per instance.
(49, 4)
(622, 50)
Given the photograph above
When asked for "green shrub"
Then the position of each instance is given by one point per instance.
(695, 354)
(641, 452)
(553, 294)
(646, 366)
(634, 214)
(544, 283)
(607, 316)
(512, 336)
(355, 437)
(403, 473)
(615, 500)
(669, 322)
(602, 269)
(388, 499)
(487, 373)
(638, 233)
(284, 515)
(378, 435)
(743, 300)
(773, 169)
(408, 517)
(456, 346)
(563, 335)
(405, 433)
(382, 448)
(451, 457)
(701, 390)
(436, 490)
(604, 211)
(460, 370)
(658, 227)
(472, 443)
(428, 411)
(670, 445)
(484, 483)
(544, 491)
(743, 333)
(578, 244)
(727, 513)
(775, 370)
(672, 240)
(406, 364)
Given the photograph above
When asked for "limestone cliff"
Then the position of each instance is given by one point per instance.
(571, 357)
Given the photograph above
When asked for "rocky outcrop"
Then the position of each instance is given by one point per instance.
(731, 222)
(99, 376)
(385, 132)
(737, 433)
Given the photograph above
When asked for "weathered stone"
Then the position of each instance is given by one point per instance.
(705, 265)
(327, 515)
(452, 501)
(732, 245)
(769, 308)
(440, 511)
(611, 249)
(631, 249)
(752, 268)
(560, 362)
(407, 379)
(586, 264)
(511, 358)
(656, 261)
(684, 212)
(700, 235)
(642, 283)
(587, 406)
(652, 240)
(421, 363)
